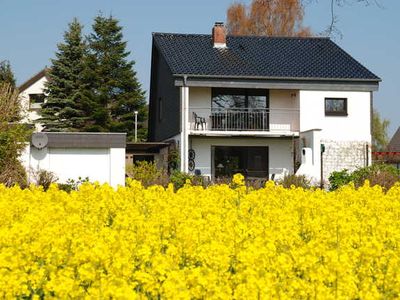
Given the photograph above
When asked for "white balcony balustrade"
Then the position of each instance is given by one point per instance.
(244, 119)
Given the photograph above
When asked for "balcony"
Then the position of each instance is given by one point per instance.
(243, 120)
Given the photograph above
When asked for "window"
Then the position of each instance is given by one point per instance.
(36, 101)
(226, 98)
(36, 98)
(249, 161)
(335, 106)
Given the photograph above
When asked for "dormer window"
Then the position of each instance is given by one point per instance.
(36, 100)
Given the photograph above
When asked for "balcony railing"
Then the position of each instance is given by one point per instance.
(244, 119)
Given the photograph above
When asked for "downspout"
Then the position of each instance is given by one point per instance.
(185, 120)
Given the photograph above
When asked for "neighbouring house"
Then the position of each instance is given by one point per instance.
(69, 155)
(392, 154)
(261, 106)
(32, 96)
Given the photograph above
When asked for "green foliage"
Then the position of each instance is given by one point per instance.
(339, 178)
(295, 180)
(13, 136)
(179, 179)
(173, 159)
(112, 92)
(147, 173)
(72, 185)
(380, 137)
(92, 85)
(6, 74)
(377, 174)
(63, 110)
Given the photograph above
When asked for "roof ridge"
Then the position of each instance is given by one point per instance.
(244, 36)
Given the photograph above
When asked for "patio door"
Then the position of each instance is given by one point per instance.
(252, 162)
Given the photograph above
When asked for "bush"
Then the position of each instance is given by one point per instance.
(377, 174)
(179, 179)
(72, 185)
(295, 180)
(44, 178)
(148, 174)
(339, 178)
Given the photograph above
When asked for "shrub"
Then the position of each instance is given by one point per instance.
(148, 174)
(339, 178)
(378, 174)
(44, 178)
(72, 185)
(295, 180)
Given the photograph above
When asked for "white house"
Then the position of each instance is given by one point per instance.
(253, 104)
(32, 96)
(70, 155)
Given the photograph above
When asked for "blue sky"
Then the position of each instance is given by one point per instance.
(31, 29)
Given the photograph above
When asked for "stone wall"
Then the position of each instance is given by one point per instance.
(344, 155)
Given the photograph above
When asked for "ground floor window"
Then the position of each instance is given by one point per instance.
(249, 161)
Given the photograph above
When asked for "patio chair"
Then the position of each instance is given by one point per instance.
(199, 121)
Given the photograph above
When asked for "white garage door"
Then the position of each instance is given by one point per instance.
(70, 163)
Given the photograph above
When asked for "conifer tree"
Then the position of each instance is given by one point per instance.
(113, 92)
(63, 110)
(6, 74)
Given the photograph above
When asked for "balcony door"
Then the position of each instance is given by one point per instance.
(252, 162)
(240, 109)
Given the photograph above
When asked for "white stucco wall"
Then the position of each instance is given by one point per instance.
(32, 114)
(284, 107)
(105, 165)
(200, 103)
(280, 152)
(353, 127)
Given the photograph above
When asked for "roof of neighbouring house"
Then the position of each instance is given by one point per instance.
(394, 144)
(260, 57)
(33, 79)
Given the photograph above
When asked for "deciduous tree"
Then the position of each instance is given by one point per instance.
(13, 136)
(379, 132)
(267, 17)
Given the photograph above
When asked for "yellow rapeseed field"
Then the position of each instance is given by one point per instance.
(196, 243)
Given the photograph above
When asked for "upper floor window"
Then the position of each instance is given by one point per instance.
(36, 100)
(335, 106)
(226, 98)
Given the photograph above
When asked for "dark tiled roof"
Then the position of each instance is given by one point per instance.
(394, 144)
(265, 57)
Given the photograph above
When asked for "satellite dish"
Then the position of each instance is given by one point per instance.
(39, 140)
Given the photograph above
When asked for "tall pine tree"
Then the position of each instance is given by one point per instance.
(63, 110)
(113, 92)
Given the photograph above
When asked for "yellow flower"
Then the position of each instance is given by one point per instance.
(220, 242)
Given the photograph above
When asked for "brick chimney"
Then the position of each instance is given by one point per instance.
(219, 35)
